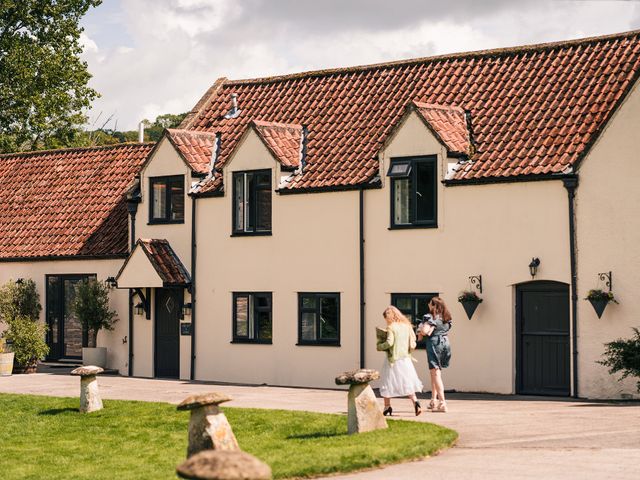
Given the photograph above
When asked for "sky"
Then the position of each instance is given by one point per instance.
(150, 57)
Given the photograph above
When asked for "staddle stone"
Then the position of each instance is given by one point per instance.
(224, 465)
(90, 400)
(362, 375)
(363, 410)
(209, 428)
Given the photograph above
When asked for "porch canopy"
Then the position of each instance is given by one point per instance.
(153, 264)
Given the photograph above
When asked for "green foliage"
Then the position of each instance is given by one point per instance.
(623, 356)
(91, 306)
(597, 294)
(27, 339)
(19, 299)
(43, 82)
(3, 344)
(469, 296)
(144, 440)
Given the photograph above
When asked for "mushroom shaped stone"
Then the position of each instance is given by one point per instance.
(224, 465)
(90, 400)
(363, 411)
(209, 428)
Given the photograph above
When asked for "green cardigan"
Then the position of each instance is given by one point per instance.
(401, 341)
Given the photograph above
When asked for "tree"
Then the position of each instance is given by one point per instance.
(91, 307)
(19, 299)
(43, 82)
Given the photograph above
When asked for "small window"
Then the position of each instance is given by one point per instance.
(414, 306)
(319, 319)
(252, 202)
(166, 199)
(252, 317)
(413, 192)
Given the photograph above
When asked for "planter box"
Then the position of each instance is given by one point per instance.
(6, 364)
(95, 356)
(599, 306)
(470, 307)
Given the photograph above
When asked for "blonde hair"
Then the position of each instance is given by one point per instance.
(395, 315)
(438, 307)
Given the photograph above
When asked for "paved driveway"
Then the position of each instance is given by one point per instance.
(500, 437)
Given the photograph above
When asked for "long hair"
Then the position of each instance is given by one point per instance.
(395, 315)
(438, 307)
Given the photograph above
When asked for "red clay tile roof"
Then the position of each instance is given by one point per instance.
(534, 109)
(194, 147)
(165, 261)
(68, 202)
(284, 141)
(448, 124)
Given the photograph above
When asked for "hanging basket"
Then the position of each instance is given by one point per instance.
(470, 307)
(599, 300)
(599, 305)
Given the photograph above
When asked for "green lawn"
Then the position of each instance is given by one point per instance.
(46, 437)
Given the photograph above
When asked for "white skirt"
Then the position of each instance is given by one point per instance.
(399, 379)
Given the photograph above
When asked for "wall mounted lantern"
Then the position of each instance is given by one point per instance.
(144, 305)
(111, 282)
(533, 266)
(19, 281)
(138, 308)
(186, 310)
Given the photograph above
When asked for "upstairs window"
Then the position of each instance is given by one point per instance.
(252, 322)
(319, 319)
(413, 192)
(252, 202)
(167, 199)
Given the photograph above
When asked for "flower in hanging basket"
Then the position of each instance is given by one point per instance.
(599, 299)
(470, 301)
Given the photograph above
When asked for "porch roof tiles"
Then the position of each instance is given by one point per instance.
(165, 262)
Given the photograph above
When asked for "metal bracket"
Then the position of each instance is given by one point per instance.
(607, 278)
(145, 301)
(476, 280)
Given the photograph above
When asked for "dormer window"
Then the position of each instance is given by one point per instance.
(413, 192)
(252, 202)
(166, 203)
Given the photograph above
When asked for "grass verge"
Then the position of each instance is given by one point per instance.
(46, 437)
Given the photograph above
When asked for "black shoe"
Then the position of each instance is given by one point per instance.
(387, 411)
(418, 408)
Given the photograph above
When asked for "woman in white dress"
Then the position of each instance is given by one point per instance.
(399, 377)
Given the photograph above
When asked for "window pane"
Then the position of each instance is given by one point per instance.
(403, 303)
(263, 207)
(242, 317)
(177, 200)
(263, 320)
(262, 301)
(159, 199)
(309, 302)
(251, 192)
(400, 170)
(328, 318)
(238, 201)
(425, 185)
(308, 326)
(401, 201)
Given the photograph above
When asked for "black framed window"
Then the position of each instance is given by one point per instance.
(319, 319)
(413, 192)
(252, 202)
(252, 317)
(166, 203)
(414, 306)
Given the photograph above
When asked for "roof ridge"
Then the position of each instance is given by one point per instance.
(75, 149)
(435, 58)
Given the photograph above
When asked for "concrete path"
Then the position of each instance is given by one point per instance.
(500, 437)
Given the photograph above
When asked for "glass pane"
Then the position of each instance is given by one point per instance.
(328, 318)
(262, 301)
(400, 170)
(159, 199)
(308, 326)
(53, 314)
(425, 186)
(263, 209)
(177, 200)
(401, 203)
(264, 325)
(404, 304)
(251, 191)
(242, 317)
(72, 326)
(309, 302)
(238, 202)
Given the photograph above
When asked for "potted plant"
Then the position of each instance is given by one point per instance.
(470, 301)
(623, 355)
(28, 343)
(91, 307)
(6, 359)
(599, 299)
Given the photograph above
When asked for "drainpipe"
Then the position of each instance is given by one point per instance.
(571, 183)
(193, 289)
(362, 296)
(132, 207)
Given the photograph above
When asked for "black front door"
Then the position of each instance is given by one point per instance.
(65, 336)
(167, 332)
(543, 354)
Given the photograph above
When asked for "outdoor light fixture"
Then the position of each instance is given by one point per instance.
(186, 309)
(111, 282)
(19, 281)
(138, 308)
(533, 266)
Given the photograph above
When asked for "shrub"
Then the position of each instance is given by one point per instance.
(27, 341)
(91, 307)
(19, 299)
(624, 356)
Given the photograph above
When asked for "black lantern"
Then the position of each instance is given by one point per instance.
(138, 308)
(111, 282)
(186, 309)
(533, 266)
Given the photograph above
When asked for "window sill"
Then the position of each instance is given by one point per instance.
(259, 342)
(165, 222)
(318, 344)
(410, 227)
(251, 234)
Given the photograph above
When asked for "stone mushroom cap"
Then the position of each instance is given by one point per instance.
(357, 376)
(87, 371)
(224, 465)
(195, 401)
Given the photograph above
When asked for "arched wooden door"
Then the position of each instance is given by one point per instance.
(542, 339)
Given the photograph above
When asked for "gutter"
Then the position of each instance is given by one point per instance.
(512, 179)
(362, 292)
(571, 184)
(192, 368)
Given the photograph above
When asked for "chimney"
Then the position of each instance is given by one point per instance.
(234, 112)
(141, 132)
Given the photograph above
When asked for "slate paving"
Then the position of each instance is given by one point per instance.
(511, 437)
